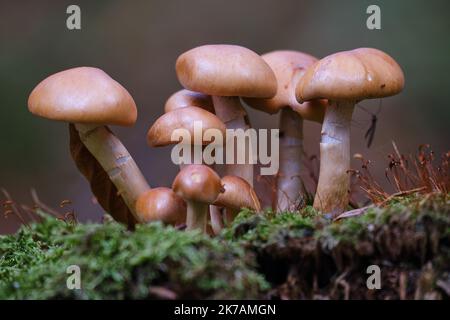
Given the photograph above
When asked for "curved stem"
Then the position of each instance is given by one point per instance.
(116, 161)
(289, 183)
(197, 216)
(233, 114)
(230, 215)
(214, 211)
(216, 219)
(334, 182)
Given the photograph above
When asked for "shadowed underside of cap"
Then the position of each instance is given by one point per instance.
(160, 133)
(226, 70)
(354, 75)
(288, 66)
(83, 95)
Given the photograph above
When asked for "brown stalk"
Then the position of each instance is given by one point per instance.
(11, 207)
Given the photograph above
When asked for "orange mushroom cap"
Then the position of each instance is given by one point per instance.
(355, 75)
(226, 70)
(186, 98)
(161, 204)
(289, 66)
(83, 95)
(197, 183)
(160, 133)
(238, 194)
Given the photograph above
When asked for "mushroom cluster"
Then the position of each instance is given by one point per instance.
(218, 81)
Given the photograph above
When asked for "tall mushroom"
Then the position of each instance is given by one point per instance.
(186, 98)
(238, 194)
(161, 204)
(227, 72)
(289, 67)
(91, 99)
(199, 186)
(344, 78)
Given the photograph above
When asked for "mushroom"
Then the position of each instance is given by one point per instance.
(180, 115)
(199, 186)
(161, 204)
(238, 194)
(160, 133)
(344, 78)
(186, 98)
(91, 99)
(227, 72)
(289, 67)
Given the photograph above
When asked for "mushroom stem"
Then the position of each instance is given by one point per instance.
(216, 219)
(183, 164)
(197, 216)
(289, 183)
(230, 215)
(194, 149)
(233, 114)
(332, 189)
(117, 162)
(214, 211)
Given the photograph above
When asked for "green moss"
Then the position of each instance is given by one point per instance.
(31, 246)
(280, 252)
(116, 263)
(269, 227)
(408, 233)
(353, 230)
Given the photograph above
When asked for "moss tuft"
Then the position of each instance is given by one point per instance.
(294, 255)
(117, 264)
(306, 256)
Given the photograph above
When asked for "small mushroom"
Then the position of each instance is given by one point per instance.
(160, 133)
(186, 98)
(344, 78)
(238, 194)
(161, 204)
(289, 67)
(227, 72)
(91, 99)
(199, 186)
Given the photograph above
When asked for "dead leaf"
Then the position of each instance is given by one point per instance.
(352, 213)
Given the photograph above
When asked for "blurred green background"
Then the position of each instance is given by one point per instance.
(137, 43)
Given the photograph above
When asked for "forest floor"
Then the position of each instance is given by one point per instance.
(298, 255)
